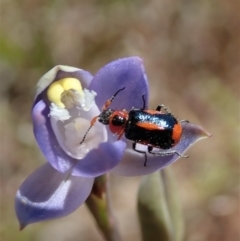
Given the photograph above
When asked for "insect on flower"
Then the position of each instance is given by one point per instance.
(152, 128)
(64, 104)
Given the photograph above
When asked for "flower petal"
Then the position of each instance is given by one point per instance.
(46, 139)
(60, 72)
(48, 194)
(132, 163)
(126, 72)
(100, 160)
(70, 135)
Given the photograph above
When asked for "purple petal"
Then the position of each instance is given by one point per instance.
(48, 194)
(132, 163)
(126, 72)
(46, 139)
(100, 160)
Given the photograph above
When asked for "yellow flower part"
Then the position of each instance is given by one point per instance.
(57, 88)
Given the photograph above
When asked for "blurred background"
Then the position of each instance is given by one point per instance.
(191, 54)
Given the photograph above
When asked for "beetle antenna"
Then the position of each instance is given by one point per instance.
(108, 102)
(91, 125)
(83, 139)
(106, 105)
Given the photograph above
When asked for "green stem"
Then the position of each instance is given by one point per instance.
(152, 209)
(174, 205)
(100, 206)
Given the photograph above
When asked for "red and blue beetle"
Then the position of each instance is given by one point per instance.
(152, 128)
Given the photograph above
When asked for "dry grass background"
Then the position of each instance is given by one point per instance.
(191, 53)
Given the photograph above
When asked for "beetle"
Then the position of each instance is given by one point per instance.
(152, 128)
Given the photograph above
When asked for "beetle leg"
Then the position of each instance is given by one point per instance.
(120, 135)
(143, 152)
(144, 102)
(160, 107)
(186, 121)
(165, 153)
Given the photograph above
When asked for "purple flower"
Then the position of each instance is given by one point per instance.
(66, 100)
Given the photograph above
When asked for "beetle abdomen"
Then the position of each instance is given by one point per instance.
(154, 129)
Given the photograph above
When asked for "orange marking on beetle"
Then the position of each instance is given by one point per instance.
(117, 130)
(177, 132)
(149, 126)
(152, 112)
